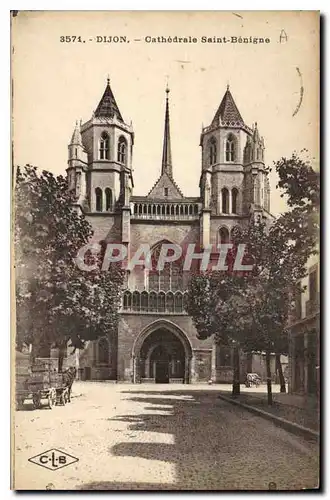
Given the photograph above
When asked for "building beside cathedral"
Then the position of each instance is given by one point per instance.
(156, 339)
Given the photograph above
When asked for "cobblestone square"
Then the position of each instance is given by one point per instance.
(153, 436)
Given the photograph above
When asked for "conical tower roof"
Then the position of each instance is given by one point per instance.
(108, 107)
(228, 112)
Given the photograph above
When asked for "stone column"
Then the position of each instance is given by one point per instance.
(254, 188)
(134, 369)
(230, 201)
(104, 201)
(172, 368)
(187, 371)
(147, 367)
(205, 227)
(193, 375)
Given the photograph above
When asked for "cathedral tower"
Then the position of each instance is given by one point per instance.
(108, 141)
(222, 157)
(233, 181)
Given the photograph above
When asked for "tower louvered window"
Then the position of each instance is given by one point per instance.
(213, 151)
(108, 200)
(234, 198)
(230, 148)
(98, 200)
(223, 235)
(104, 146)
(225, 200)
(122, 150)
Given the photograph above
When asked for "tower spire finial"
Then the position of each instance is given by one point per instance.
(227, 84)
(167, 155)
(167, 89)
(108, 79)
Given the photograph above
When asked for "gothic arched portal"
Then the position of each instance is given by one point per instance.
(162, 353)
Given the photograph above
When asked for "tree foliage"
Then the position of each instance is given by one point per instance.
(253, 308)
(56, 301)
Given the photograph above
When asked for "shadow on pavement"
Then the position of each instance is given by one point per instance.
(191, 449)
(212, 445)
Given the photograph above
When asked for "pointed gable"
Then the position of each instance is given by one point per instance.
(165, 182)
(228, 113)
(108, 107)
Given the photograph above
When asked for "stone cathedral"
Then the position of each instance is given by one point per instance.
(156, 340)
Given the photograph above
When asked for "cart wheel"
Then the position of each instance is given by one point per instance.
(36, 401)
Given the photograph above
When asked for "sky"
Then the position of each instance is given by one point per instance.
(56, 83)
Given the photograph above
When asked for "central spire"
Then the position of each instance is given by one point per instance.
(167, 156)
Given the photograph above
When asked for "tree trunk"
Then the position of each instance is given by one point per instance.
(61, 354)
(280, 372)
(236, 378)
(33, 354)
(269, 380)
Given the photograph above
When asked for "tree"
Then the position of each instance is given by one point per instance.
(259, 303)
(57, 303)
(213, 298)
(299, 181)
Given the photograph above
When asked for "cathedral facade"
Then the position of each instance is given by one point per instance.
(156, 339)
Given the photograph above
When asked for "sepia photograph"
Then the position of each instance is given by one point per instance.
(165, 234)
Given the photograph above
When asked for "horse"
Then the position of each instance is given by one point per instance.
(69, 376)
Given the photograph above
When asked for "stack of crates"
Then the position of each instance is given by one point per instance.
(22, 371)
(43, 376)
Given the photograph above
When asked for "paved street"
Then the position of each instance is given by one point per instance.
(159, 437)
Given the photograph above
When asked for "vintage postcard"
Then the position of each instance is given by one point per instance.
(165, 250)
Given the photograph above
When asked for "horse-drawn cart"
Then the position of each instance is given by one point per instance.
(45, 385)
(53, 391)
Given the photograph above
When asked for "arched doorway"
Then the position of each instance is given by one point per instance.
(159, 365)
(162, 354)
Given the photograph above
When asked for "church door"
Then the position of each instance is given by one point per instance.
(162, 372)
